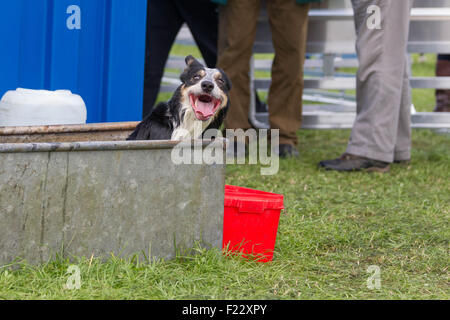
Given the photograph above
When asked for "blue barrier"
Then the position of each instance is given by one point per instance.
(95, 48)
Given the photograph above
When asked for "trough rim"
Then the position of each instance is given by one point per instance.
(108, 145)
(72, 128)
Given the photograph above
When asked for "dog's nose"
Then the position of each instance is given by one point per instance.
(207, 86)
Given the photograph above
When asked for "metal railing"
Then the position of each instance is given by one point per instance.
(331, 36)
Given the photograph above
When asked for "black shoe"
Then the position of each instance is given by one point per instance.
(288, 151)
(350, 162)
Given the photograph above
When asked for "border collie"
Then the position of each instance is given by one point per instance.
(201, 100)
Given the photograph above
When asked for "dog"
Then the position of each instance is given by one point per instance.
(201, 101)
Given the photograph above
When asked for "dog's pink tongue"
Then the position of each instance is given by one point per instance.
(206, 109)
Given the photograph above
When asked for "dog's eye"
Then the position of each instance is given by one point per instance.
(196, 78)
(220, 81)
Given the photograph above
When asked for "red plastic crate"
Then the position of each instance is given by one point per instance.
(251, 222)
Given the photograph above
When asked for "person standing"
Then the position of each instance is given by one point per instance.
(164, 20)
(382, 130)
(237, 29)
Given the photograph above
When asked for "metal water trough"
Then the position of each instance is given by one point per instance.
(83, 191)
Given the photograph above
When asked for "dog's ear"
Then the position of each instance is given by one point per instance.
(192, 65)
(226, 79)
(191, 61)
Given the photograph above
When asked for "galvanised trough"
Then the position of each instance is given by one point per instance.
(97, 198)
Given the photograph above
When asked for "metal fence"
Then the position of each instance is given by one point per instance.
(331, 45)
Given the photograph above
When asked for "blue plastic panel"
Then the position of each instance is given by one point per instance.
(103, 61)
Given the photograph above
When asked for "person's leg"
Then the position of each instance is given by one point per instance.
(163, 24)
(289, 24)
(381, 97)
(443, 96)
(237, 30)
(202, 18)
(402, 150)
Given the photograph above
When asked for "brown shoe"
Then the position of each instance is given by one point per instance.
(348, 162)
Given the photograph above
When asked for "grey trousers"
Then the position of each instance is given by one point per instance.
(382, 130)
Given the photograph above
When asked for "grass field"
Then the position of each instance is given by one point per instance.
(334, 227)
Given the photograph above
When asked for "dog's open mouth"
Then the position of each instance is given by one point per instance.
(204, 106)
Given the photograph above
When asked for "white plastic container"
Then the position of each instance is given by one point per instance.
(25, 107)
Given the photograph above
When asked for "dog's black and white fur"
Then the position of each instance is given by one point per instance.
(201, 99)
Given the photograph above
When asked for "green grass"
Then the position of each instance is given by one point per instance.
(334, 226)
(184, 50)
(424, 99)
